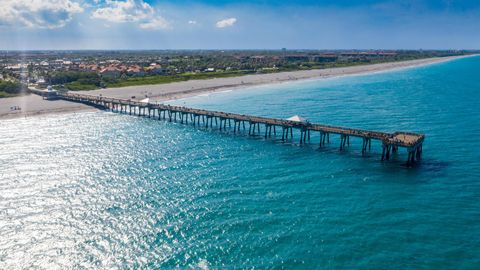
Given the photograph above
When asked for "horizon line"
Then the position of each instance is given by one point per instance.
(252, 49)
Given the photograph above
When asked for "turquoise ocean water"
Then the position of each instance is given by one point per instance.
(103, 190)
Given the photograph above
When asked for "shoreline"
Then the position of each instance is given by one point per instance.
(228, 88)
(33, 105)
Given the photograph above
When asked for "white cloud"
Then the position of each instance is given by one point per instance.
(156, 23)
(38, 13)
(133, 11)
(192, 22)
(226, 23)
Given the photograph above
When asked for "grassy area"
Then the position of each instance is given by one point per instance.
(6, 95)
(79, 86)
(145, 80)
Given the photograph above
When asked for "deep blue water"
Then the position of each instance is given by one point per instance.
(103, 190)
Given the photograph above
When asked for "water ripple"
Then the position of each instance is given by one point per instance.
(103, 191)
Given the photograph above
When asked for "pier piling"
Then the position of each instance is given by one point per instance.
(390, 142)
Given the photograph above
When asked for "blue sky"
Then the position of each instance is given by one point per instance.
(268, 24)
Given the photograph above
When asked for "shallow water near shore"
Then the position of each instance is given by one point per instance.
(104, 190)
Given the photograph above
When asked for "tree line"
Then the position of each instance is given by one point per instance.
(11, 87)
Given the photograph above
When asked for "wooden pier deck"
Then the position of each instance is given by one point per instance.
(412, 142)
(45, 94)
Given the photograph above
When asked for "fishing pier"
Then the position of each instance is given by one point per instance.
(390, 142)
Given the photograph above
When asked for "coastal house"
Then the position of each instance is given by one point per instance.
(18, 69)
(41, 80)
(297, 58)
(111, 72)
(58, 63)
(330, 57)
(89, 67)
(367, 54)
(258, 58)
(155, 69)
(136, 70)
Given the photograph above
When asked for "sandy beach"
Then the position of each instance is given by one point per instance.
(34, 105)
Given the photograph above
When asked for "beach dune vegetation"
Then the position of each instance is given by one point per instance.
(81, 81)
(11, 89)
(76, 80)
